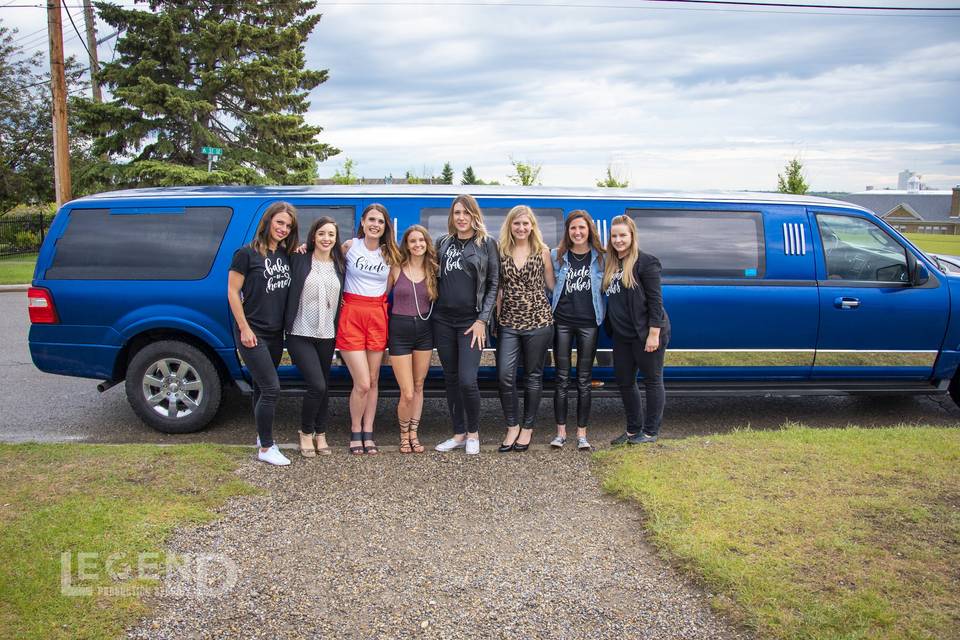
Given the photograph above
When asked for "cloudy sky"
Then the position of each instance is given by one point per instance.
(672, 96)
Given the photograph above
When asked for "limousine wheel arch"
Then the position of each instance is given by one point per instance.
(173, 387)
(955, 388)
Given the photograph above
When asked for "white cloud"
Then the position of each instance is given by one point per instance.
(677, 99)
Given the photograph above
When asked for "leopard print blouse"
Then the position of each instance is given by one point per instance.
(525, 304)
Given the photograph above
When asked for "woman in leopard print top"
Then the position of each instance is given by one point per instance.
(526, 322)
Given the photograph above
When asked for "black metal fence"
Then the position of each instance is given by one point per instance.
(23, 235)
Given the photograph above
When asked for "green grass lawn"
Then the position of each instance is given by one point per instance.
(103, 500)
(936, 243)
(810, 534)
(17, 270)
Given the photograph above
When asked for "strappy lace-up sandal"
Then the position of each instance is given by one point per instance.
(415, 445)
(405, 437)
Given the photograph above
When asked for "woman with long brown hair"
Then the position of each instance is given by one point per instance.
(578, 310)
(362, 327)
(467, 291)
(313, 307)
(639, 326)
(414, 284)
(257, 293)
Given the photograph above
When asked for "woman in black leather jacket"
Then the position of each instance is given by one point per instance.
(467, 291)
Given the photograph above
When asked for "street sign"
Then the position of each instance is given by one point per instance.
(212, 151)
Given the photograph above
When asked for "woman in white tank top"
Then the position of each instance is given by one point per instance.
(362, 328)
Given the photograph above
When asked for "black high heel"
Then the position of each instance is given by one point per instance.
(522, 447)
(505, 448)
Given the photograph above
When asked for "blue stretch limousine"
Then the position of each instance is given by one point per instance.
(767, 293)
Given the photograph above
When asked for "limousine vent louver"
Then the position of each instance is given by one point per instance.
(794, 239)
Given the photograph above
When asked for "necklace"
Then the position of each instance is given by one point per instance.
(580, 258)
(329, 293)
(416, 301)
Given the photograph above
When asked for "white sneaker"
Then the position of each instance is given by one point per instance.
(258, 441)
(273, 456)
(473, 446)
(450, 445)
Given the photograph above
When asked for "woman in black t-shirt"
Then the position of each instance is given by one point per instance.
(578, 309)
(257, 292)
(639, 326)
(467, 290)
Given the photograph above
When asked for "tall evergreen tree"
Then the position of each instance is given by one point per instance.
(469, 177)
(446, 176)
(193, 74)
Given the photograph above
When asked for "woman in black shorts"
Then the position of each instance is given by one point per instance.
(414, 283)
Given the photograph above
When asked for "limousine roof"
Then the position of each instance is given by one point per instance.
(487, 191)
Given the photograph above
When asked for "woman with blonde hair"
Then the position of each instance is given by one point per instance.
(525, 322)
(640, 328)
(467, 286)
(362, 327)
(414, 283)
(578, 309)
(257, 294)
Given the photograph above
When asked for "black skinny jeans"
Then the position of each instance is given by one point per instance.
(628, 358)
(530, 345)
(563, 339)
(313, 357)
(460, 364)
(262, 361)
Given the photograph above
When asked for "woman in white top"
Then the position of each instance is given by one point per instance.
(362, 327)
(313, 305)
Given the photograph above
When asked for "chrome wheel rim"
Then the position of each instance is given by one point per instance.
(172, 388)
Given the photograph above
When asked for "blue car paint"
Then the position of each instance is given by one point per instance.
(789, 307)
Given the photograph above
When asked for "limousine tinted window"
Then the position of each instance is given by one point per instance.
(703, 243)
(856, 249)
(345, 216)
(550, 222)
(141, 243)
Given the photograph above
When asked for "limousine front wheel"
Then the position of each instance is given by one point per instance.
(173, 387)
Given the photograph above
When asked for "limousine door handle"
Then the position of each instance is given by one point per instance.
(844, 302)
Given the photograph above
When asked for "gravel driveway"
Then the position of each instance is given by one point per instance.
(434, 546)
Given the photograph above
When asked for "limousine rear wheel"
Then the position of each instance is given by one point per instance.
(173, 387)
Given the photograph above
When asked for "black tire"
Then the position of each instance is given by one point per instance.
(172, 372)
(955, 389)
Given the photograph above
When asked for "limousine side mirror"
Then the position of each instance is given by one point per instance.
(918, 272)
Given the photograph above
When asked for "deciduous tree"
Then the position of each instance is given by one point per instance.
(792, 180)
(613, 180)
(525, 174)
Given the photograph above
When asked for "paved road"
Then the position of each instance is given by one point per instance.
(44, 407)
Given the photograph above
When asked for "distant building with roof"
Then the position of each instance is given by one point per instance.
(912, 211)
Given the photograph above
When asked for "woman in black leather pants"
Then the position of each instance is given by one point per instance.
(526, 323)
(578, 309)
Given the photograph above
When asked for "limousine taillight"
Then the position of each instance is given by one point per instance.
(41, 307)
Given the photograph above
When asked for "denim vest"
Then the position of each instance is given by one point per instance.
(596, 282)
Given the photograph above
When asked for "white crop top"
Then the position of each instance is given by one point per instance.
(367, 271)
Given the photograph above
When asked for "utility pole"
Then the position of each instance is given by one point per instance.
(92, 46)
(58, 86)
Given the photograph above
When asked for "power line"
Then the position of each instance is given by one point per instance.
(77, 31)
(480, 3)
